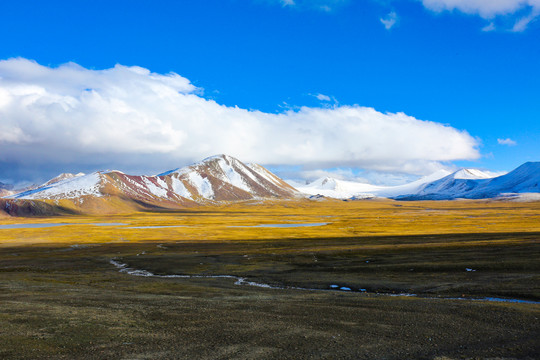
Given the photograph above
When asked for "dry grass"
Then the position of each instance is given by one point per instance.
(346, 219)
(65, 302)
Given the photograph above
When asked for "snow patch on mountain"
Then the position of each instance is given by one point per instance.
(179, 188)
(70, 188)
(159, 191)
(203, 186)
(63, 176)
(231, 175)
(471, 174)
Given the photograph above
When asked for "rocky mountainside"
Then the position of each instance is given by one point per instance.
(215, 179)
(223, 178)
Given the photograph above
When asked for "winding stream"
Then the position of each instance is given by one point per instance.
(124, 268)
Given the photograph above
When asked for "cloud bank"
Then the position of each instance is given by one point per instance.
(489, 9)
(130, 118)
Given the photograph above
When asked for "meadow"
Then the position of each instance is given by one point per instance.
(62, 298)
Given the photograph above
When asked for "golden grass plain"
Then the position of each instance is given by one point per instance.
(61, 298)
(233, 221)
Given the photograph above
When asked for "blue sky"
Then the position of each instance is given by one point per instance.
(474, 69)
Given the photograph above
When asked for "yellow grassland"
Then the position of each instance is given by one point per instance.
(231, 222)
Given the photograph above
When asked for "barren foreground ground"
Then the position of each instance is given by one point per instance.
(62, 298)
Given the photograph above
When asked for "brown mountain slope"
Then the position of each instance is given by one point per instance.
(216, 179)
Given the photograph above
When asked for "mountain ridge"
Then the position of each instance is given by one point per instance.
(222, 178)
(216, 179)
(443, 185)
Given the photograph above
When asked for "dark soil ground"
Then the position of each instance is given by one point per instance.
(65, 302)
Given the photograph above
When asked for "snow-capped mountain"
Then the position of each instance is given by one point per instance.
(218, 178)
(442, 185)
(524, 179)
(341, 189)
(452, 185)
(224, 178)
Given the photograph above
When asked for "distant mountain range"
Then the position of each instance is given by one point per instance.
(222, 178)
(523, 182)
(216, 179)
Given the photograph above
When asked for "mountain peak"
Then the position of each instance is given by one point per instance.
(225, 157)
(223, 177)
(470, 174)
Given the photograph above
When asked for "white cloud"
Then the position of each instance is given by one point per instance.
(489, 9)
(322, 97)
(507, 141)
(128, 117)
(489, 27)
(522, 23)
(288, 2)
(389, 21)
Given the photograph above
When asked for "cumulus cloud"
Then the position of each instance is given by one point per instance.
(489, 9)
(508, 142)
(70, 117)
(389, 21)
